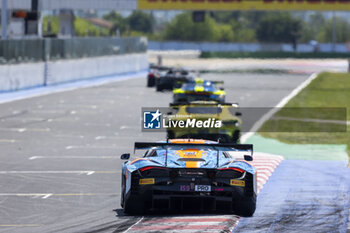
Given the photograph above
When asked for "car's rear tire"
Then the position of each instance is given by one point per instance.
(236, 136)
(123, 192)
(134, 206)
(245, 207)
(150, 82)
(159, 88)
(170, 135)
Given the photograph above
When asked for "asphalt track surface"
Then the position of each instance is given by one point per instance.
(60, 168)
(303, 196)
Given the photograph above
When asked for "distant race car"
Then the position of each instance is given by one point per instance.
(179, 175)
(155, 71)
(174, 79)
(227, 113)
(192, 91)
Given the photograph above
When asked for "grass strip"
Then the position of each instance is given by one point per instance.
(328, 90)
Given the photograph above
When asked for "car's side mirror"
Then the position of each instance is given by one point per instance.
(221, 88)
(238, 114)
(125, 156)
(248, 158)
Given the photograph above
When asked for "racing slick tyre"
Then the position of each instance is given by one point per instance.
(236, 136)
(150, 82)
(134, 206)
(159, 88)
(170, 135)
(245, 206)
(123, 192)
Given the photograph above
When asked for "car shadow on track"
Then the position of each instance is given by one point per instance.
(196, 221)
(120, 213)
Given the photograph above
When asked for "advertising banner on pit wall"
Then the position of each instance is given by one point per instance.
(296, 5)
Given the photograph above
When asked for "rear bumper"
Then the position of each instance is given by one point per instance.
(169, 198)
(190, 189)
(191, 203)
(175, 202)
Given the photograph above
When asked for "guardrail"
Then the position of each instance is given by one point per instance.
(35, 50)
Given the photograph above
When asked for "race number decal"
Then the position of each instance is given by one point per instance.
(202, 188)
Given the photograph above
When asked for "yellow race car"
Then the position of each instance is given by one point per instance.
(199, 89)
(204, 120)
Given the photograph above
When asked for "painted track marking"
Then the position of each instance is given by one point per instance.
(48, 195)
(22, 130)
(7, 141)
(265, 165)
(88, 173)
(270, 113)
(73, 157)
(20, 225)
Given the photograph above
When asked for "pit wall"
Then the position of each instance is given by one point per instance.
(28, 75)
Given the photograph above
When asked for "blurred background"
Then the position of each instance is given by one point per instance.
(312, 29)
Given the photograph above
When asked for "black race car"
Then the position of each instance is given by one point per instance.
(155, 71)
(174, 78)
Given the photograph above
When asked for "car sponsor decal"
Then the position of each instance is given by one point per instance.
(185, 188)
(240, 183)
(198, 141)
(235, 5)
(191, 154)
(146, 181)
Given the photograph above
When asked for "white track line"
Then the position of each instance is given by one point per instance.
(48, 172)
(73, 157)
(47, 196)
(88, 173)
(7, 141)
(134, 224)
(270, 113)
(339, 122)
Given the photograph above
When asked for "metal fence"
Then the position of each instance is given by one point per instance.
(33, 50)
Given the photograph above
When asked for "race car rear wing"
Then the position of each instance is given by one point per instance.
(216, 82)
(212, 81)
(160, 67)
(205, 103)
(217, 147)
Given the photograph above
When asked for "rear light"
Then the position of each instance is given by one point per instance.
(232, 168)
(150, 75)
(149, 168)
(154, 171)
